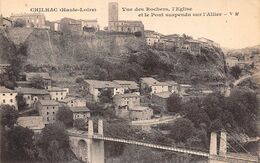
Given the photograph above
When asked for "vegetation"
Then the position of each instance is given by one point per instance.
(235, 71)
(80, 124)
(106, 96)
(16, 141)
(54, 143)
(21, 102)
(65, 115)
(19, 23)
(174, 103)
(38, 82)
(181, 130)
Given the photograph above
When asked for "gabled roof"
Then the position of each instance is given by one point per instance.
(55, 89)
(33, 91)
(6, 90)
(126, 83)
(48, 102)
(79, 109)
(153, 82)
(127, 95)
(163, 94)
(32, 122)
(139, 108)
(102, 84)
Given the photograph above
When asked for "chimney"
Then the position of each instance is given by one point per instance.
(223, 143)
(213, 144)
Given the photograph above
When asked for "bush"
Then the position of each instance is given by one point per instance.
(80, 124)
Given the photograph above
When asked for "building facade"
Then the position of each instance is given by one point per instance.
(48, 110)
(57, 93)
(129, 86)
(161, 99)
(128, 100)
(154, 85)
(232, 61)
(30, 76)
(36, 20)
(8, 97)
(32, 95)
(80, 113)
(116, 25)
(74, 102)
(90, 24)
(95, 87)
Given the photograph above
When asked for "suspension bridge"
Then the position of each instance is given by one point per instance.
(89, 147)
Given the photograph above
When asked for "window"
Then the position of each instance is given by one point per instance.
(11, 94)
(61, 93)
(53, 107)
(11, 100)
(47, 107)
(53, 112)
(3, 101)
(56, 93)
(47, 113)
(53, 118)
(61, 98)
(29, 97)
(48, 119)
(57, 99)
(3, 94)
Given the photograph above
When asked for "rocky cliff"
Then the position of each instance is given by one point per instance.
(45, 47)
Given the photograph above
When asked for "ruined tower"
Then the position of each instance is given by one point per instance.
(113, 11)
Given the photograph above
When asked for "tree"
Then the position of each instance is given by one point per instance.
(54, 142)
(174, 103)
(65, 115)
(20, 144)
(8, 116)
(19, 23)
(21, 102)
(80, 124)
(182, 129)
(216, 125)
(38, 82)
(105, 96)
(138, 34)
(235, 71)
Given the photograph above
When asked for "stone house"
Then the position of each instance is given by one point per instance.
(128, 100)
(48, 110)
(154, 85)
(8, 97)
(58, 93)
(34, 123)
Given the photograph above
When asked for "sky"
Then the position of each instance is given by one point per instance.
(229, 31)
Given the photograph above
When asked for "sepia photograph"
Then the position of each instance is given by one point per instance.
(119, 81)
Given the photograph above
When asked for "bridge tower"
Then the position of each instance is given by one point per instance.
(216, 154)
(96, 152)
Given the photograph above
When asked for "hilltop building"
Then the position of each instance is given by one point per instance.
(36, 20)
(117, 25)
(43, 75)
(8, 97)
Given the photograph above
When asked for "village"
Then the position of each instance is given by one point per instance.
(145, 103)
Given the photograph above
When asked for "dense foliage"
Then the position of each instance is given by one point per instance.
(65, 115)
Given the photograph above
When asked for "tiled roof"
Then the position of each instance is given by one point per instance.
(6, 90)
(48, 102)
(139, 108)
(34, 91)
(128, 84)
(163, 94)
(153, 82)
(79, 109)
(32, 122)
(102, 84)
(127, 95)
(54, 89)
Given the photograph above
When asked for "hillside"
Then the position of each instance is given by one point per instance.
(248, 51)
(117, 55)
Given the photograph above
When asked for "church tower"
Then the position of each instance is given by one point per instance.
(113, 11)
